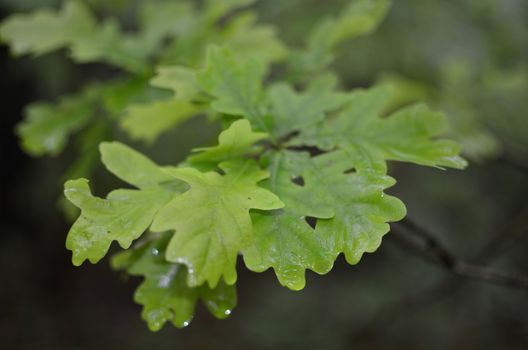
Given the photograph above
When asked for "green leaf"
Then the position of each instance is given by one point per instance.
(236, 87)
(252, 41)
(477, 143)
(147, 121)
(125, 214)
(131, 166)
(234, 142)
(211, 221)
(348, 207)
(106, 43)
(181, 80)
(361, 17)
(405, 91)
(122, 217)
(44, 31)
(283, 238)
(164, 293)
(163, 20)
(74, 27)
(47, 127)
(297, 111)
(408, 135)
(361, 208)
(117, 95)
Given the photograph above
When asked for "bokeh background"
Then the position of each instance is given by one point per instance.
(468, 58)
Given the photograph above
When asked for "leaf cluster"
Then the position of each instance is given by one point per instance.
(298, 175)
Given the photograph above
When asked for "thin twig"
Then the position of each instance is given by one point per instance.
(420, 238)
(410, 304)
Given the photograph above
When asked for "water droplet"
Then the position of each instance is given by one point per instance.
(156, 325)
(227, 312)
(186, 323)
(154, 251)
(164, 281)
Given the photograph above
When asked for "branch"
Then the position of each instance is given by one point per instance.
(428, 245)
(422, 240)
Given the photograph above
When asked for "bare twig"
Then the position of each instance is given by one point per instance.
(429, 247)
(421, 239)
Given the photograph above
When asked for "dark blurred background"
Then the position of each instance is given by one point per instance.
(468, 58)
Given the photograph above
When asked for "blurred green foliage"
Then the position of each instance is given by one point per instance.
(170, 39)
(466, 58)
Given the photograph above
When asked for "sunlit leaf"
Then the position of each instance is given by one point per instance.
(123, 216)
(234, 142)
(408, 135)
(211, 221)
(126, 213)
